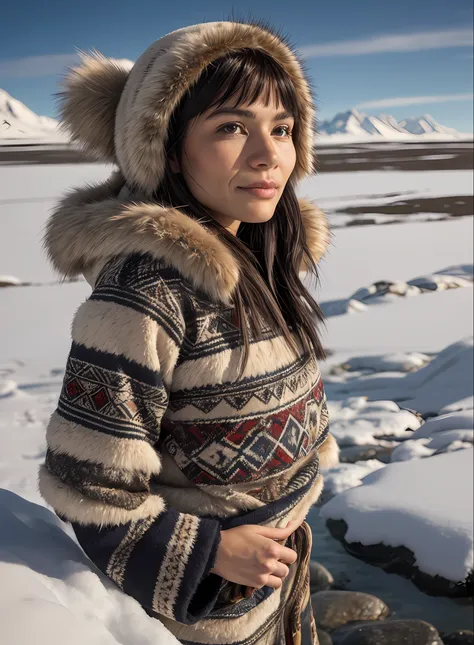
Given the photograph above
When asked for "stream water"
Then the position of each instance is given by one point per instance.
(404, 599)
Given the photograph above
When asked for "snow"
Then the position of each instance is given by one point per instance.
(356, 126)
(463, 420)
(446, 380)
(345, 476)
(24, 214)
(337, 191)
(395, 506)
(48, 581)
(410, 355)
(386, 290)
(9, 281)
(355, 421)
(18, 122)
(452, 431)
(398, 362)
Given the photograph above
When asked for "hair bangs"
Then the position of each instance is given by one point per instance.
(240, 78)
(251, 75)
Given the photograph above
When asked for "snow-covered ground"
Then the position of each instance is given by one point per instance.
(335, 192)
(390, 363)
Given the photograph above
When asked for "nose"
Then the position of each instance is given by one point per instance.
(263, 153)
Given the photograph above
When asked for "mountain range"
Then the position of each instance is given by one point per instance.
(18, 122)
(356, 124)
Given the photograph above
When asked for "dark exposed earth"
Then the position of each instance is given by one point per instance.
(406, 156)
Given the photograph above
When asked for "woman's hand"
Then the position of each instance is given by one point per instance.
(250, 556)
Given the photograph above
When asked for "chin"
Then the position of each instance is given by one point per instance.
(257, 215)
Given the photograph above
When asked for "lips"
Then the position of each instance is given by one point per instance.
(261, 193)
(261, 184)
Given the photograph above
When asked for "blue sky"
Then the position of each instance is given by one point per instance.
(405, 58)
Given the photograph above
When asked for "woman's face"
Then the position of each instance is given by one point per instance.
(226, 149)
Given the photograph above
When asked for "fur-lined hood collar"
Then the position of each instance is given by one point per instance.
(92, 224)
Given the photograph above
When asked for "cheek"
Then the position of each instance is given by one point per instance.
(206, 161)
(289, 160)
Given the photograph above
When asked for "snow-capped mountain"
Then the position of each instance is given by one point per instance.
(356, 125)
(19, 122)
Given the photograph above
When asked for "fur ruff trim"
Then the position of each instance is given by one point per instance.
(121, 115)
(78, 508)
(91, 225)
(328, 453)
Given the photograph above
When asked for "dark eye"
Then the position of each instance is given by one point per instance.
(224, 128)
(286, 128)
(229, 125)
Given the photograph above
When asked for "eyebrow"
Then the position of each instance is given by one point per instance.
(248, 113)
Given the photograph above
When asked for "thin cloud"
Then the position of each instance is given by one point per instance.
(415, 100)
(47, 65)
(385, 43)
(36, 66)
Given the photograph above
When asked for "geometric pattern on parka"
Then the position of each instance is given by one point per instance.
(110, 401)
(246, 450)
(264, 389)
(138, 282)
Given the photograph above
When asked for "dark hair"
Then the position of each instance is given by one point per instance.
(270, 253)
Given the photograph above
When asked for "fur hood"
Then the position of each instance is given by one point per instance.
(91, 224)
(120, 114)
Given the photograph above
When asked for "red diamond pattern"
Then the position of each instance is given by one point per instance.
(100, 399)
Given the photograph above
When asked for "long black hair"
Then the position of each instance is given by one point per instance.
(269, 254)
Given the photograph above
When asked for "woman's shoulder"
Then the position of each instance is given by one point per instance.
(135, 270)
(142, 277)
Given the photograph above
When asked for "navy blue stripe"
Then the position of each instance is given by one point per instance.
(235, 610)
(198, 591)
(134, 300)
(99, 544)
(146, 558)
(247, 384)
(116, 363)
(95, 421)
(270, 511)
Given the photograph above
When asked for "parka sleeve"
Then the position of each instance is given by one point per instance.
(102, 447)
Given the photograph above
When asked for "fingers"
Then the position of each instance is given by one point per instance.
(274, 581)
(280, 570)
(276, 534)
(286, 555)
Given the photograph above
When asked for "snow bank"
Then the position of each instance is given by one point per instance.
(9, 281)
(355, 421)
(446, 380)
(425, 505)
(444, 433)
(52, 593)
(385, 291)
(345, 476)
(397, 362)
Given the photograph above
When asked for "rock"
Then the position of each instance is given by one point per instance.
(459, 637)
(321, 579)
(324, 638)
(341, 581)
(388, 632)
(351, 454)
(335, 608)
(402, 561)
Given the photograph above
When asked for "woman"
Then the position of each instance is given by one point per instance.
(192, 423)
